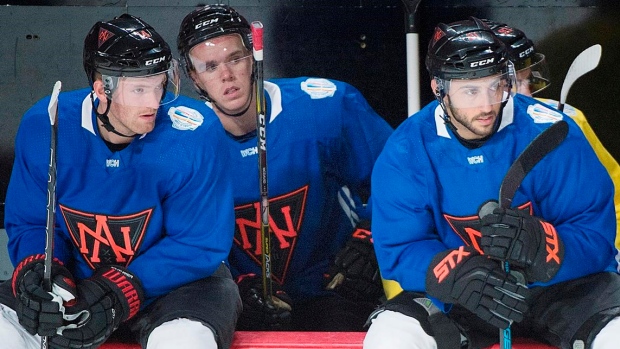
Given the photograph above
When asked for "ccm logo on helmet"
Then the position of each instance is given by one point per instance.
(526, 52)
(482, 62)
(205, 23)
(155, 60)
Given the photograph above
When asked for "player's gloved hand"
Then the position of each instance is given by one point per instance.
(354, 273)
(41, 312)
(527, 243)
(110, 296)
(257, 314)
(479, 284)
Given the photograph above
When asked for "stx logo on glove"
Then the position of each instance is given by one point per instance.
(442, 270)
(553, 242)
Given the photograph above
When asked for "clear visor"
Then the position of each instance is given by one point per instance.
(532, 75)
(237, 62)
(477, 93)
(144, 91)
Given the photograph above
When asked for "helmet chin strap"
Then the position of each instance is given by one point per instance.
(440, 94)
(105, 120)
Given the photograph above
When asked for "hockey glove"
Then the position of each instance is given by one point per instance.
(110, 296)
(41, 312)
(477, 283)
(526, 242)
(354, 273)
(257, 314)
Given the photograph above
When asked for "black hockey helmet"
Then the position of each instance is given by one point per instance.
(465, 49)
(208, 22)
(125, 46)
(518, 45)
(522, 53)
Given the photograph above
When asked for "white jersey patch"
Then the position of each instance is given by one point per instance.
(541, 114)
(568, 109)
(318, 88)
(184, 118)
(475, 160)
(112, 163)
(249, 151)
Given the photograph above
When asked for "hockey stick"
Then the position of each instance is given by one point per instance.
(413, 57)
(585, 62)
(261, 133)
(52, 109)
(540, 146)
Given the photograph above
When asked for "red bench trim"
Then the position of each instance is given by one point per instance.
(308, 340)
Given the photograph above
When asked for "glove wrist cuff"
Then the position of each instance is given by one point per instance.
(126, 286)
(27, 264)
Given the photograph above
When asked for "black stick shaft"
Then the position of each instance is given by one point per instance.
(51, 196)
(261, 131)
(542, 145)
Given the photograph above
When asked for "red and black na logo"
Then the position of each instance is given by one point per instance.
(468, 228)
(286, 213)
(438, 34)
(104, 35)
(105, 239)
(143, 34)
(471, 36)
(505, 30)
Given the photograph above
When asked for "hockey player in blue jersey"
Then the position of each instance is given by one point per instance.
(144, 215)
(322, 141)
(435, 173)
(532, 77)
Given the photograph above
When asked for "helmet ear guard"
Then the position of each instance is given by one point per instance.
(108, 85)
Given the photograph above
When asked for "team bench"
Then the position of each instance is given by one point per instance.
(309, 340)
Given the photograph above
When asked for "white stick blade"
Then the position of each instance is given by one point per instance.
(52, 108)
(585, 62)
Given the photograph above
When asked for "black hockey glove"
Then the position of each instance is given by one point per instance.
(258, 315)
(110, 296)
(38, 311)
(527, 243)
(479, 284)
(354, 273)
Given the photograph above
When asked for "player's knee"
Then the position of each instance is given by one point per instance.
(12, 335)
(608, 336)
(394, 330)
(182, 333)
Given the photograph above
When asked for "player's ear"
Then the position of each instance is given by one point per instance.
(434, 87)
(99, 89)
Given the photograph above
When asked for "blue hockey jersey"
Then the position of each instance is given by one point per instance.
(162, 207)
(322, 141)
(427, 188)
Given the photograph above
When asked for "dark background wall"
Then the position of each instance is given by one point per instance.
(361, 42)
